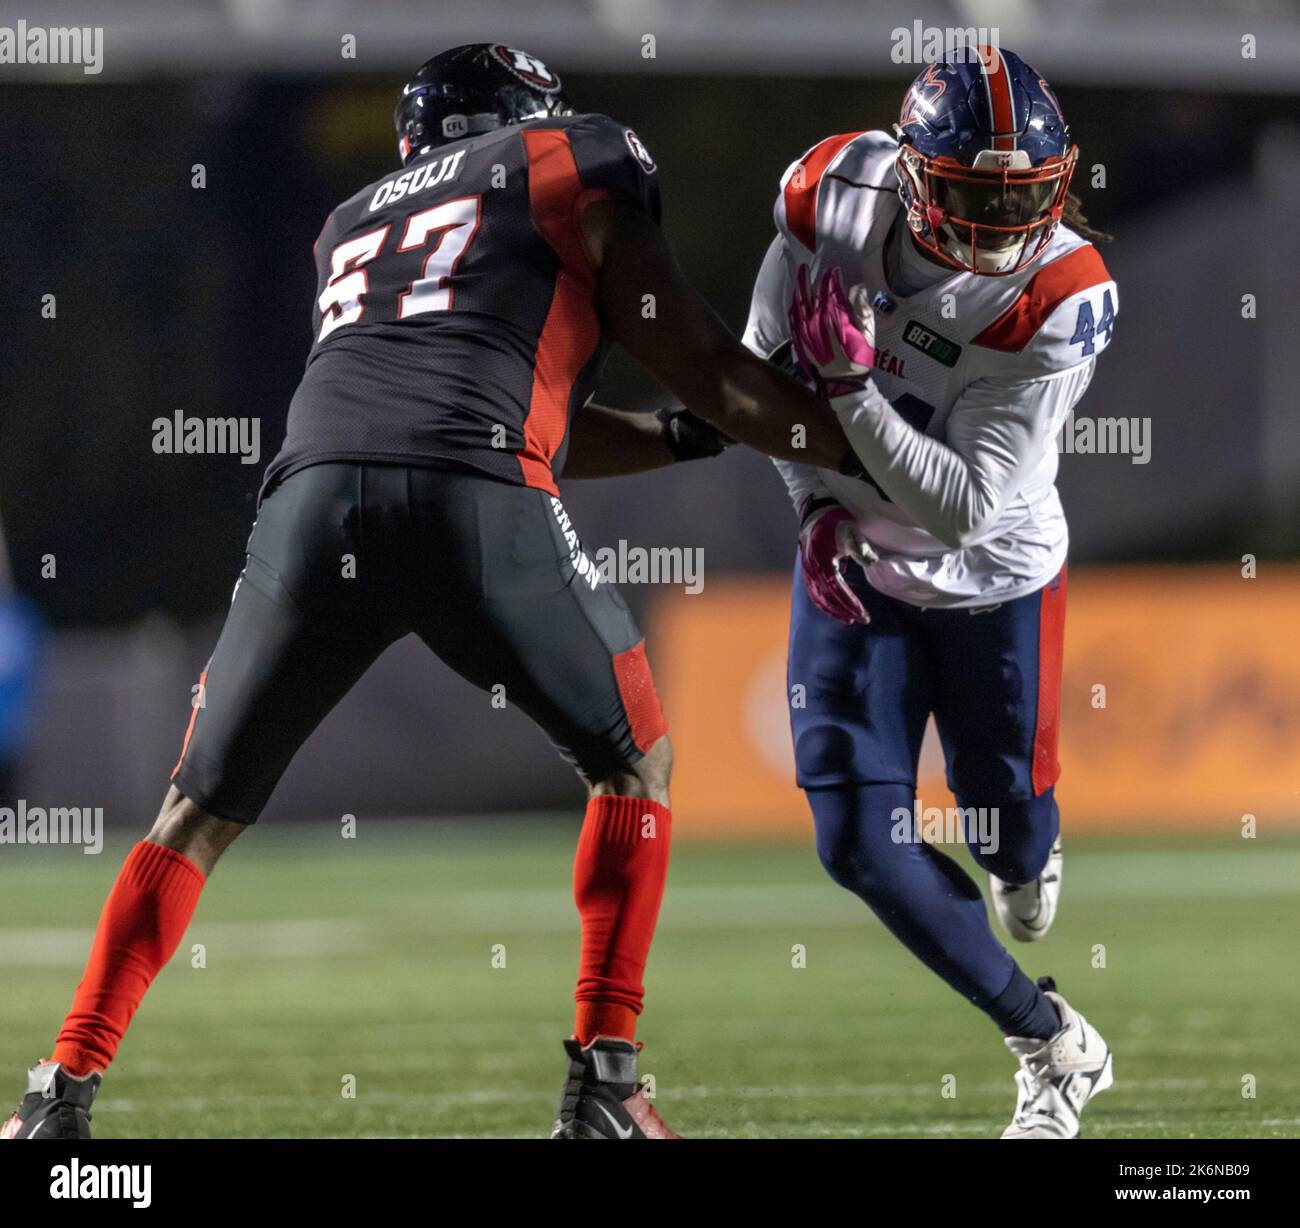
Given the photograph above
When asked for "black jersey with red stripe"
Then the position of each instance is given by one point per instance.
(455, 316)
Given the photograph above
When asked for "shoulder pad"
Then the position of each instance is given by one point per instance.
(860, 158)
(589, 153)
(618, 139)
(1064, 314)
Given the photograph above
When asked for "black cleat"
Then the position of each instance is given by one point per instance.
(57, 1105)
(602, 1097)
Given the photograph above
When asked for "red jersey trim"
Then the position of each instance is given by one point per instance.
(1016, 327)
(802, 187)
(571, 332)
(1051, 659)
(195, 705)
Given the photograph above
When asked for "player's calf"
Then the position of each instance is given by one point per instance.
(618, 883)
(648, 777)
(142, 923)
(185, 827)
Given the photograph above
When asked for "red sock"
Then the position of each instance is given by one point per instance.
(618, 881)
(140, 928)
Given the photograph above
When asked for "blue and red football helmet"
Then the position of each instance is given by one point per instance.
(984, 161)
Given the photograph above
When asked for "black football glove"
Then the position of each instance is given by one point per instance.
(689, 437)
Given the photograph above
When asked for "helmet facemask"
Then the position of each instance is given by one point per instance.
(992, 218)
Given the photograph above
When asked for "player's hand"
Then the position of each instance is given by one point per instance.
(827, 537)
(833, 338)
(689, 437)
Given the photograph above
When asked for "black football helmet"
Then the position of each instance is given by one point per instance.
(472, 89)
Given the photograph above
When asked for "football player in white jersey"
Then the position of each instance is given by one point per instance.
(940, 285)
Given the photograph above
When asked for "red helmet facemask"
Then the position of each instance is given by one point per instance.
(992, 218)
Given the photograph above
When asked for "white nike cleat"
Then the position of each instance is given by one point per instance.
(1057, 1076)
(1027, 911)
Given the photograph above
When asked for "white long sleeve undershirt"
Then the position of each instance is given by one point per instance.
(955, 487)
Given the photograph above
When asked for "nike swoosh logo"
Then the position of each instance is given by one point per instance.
(613, 1121)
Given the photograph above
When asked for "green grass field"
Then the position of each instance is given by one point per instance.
(373, 958)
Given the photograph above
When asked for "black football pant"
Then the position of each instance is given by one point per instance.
(346, 558)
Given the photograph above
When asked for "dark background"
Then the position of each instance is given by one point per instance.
(173, 298)
(170, 298)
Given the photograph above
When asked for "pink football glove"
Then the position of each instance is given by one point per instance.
(829, 535)
(832, 338)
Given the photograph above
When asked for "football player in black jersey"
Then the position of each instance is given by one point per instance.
(464, 306)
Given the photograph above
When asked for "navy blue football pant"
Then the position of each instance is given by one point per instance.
(861, 697)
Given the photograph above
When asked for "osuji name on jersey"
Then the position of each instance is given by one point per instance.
(419, 179)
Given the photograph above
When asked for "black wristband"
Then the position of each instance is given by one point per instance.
(814, 504)
(689, 437)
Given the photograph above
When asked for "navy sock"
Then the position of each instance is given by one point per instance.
(1022, 1009)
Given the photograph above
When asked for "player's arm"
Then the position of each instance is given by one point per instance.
(606, 442)
(688, 349)
(997, 432)
(767, 332)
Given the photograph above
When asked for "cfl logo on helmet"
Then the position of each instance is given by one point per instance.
(529, 68)
(454, 125)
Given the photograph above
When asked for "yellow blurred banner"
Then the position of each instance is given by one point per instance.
(1180, 705)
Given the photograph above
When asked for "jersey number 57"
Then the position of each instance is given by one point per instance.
(444, 232)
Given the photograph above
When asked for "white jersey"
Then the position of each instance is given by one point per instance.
(973, 378)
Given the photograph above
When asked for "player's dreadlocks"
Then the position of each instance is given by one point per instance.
(1073, 217)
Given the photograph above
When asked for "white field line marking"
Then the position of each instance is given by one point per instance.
(668, 1095)
(1097, 877)
(296, 938)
